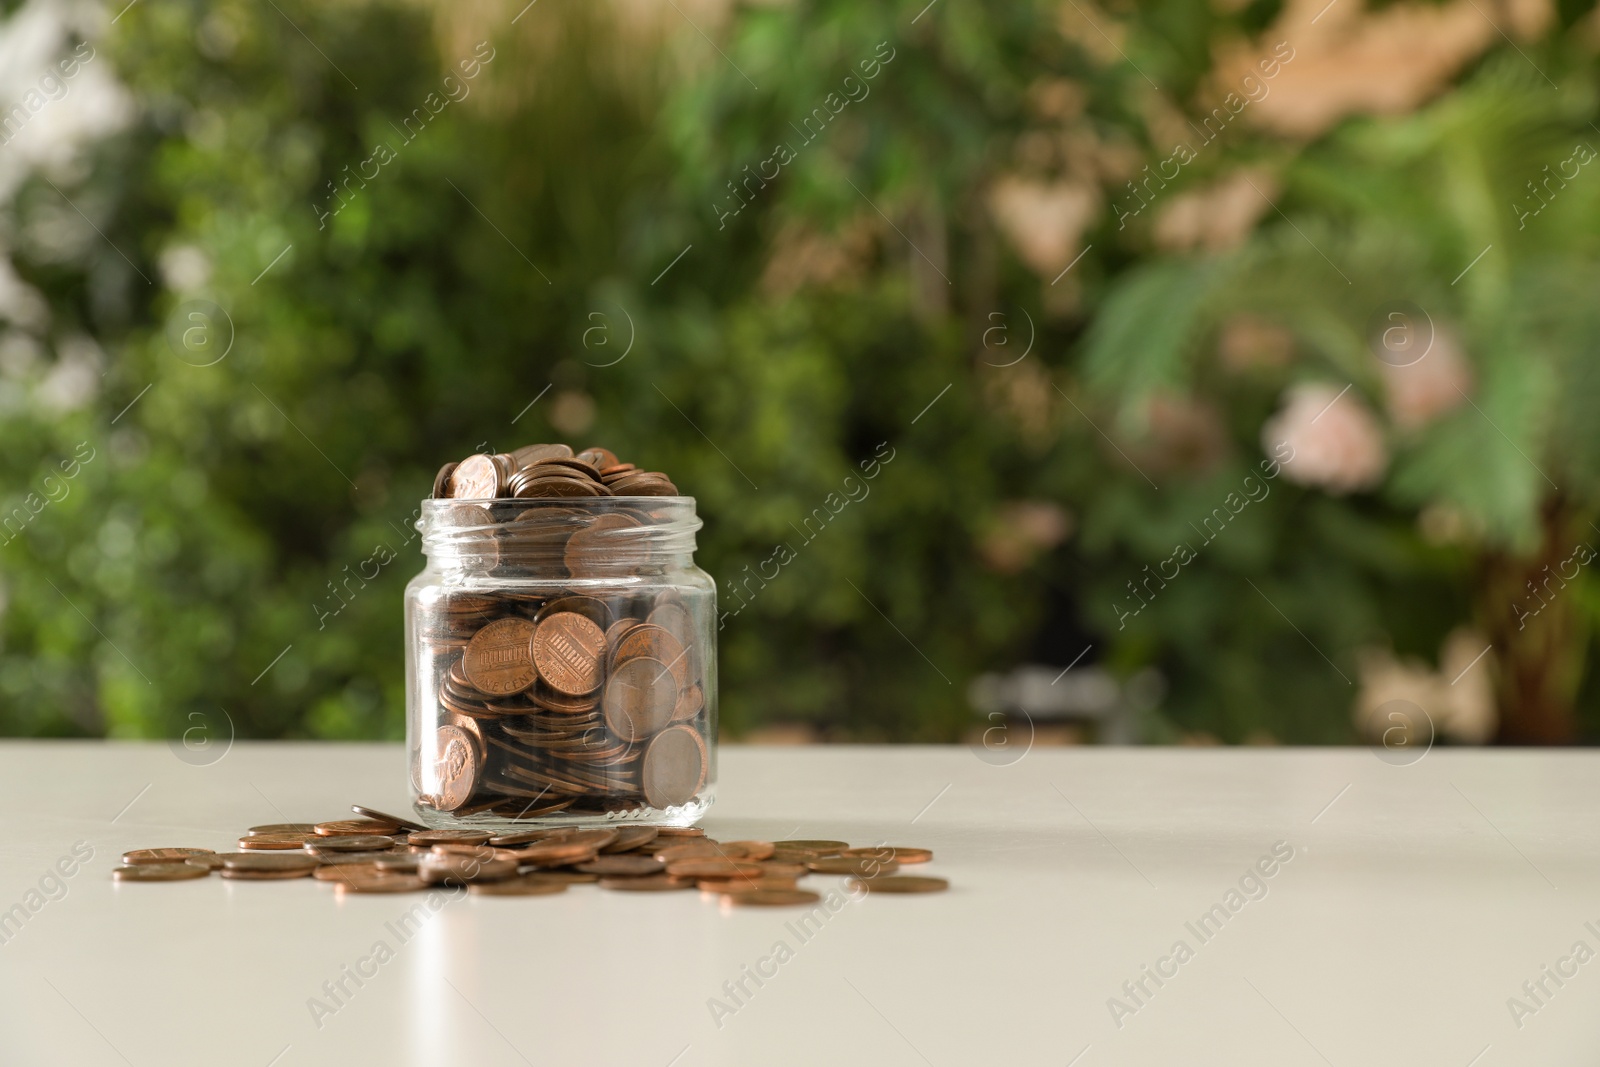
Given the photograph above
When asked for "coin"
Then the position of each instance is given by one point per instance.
(345, 872)
(565, 877)
(639, 698)
(680, 831)
(598, 458)
(900, 884)
(857, 865)
(674, 763)
(657, 643)
(825, 848)
(713, 868)
(555, 853)
(346, 827)
(404, 824)
(158, 872)
(209, 862)
(268, 861)
(278, 842)
(654, 883)
(898, 853)
(352, 843)
(742, 885)
(383, 883)
(521, 886)
(566, 650)
(450, 837)
(282, 828)
(163, 855)
(455, 867)
(499, 658)
(771, 897)
(520, 837)
(245, 874)
(749, 850)
(528, 455)
(475, 478)
(441, 481)
(621, 865)
(456, 767)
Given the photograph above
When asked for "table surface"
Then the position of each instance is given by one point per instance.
(1406, 907)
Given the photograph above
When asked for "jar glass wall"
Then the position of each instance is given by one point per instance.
(561, 663)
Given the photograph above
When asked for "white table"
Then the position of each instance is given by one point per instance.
(1418, 900)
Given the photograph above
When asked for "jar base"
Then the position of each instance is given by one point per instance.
(680, 815)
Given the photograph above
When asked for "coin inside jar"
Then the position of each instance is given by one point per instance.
(566, 651)
(674, 765)
(639, 698)
(499, 658)
(456, 767)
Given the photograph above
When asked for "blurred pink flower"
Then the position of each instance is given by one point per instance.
(1420, 392)
(1333, 440)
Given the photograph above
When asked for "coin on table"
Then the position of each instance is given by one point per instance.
(348, 827)
(863, 868)
(275, 842)
(475, 478)
(351, 843)
(898, 853)
(565, 876)
(269, 861)
(566, 649)
(210, 861)
(786, 854)
(164, 855)
(485, 866)
(771, 869)
(689, 850)
(522, 886)
(456, 766)
(654, 883)
(499, 658)
(382, 883)
(904, 883)
(428, 838)
(719, 886)
(350, 859)
(158, 872)
(622, 866)
(555, 853)
(345, 872)
(596, 838)
(370, 813)
(283, 828)
(771, 897)
(821, 847)
(631, 837)
(244, 874)
(520, 837)
(713, 868)
(748, 850)
(680, 831)
(674, 763)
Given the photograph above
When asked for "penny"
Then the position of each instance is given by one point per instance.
(657, 643)
(598, 458)
(383, 883)
(631, 837)
(691, 700)
(347, 827)
(528, 455)
(680, 831)
(209, 862)
(521, 886)
(904, 883)
(674, 763)
(825, 848)
(499, 658)
(487, 866)
(345, 872)
(456, 767)
(856, 865)
(566, 877)
(450, 837)
(351, 859)
(245, 874)
(621, 865)
(891, 852)
(689, 850)
(352, 843)
(271, 842)
(639, 698)
(566, 650)
(771, 897)
(596, 839)
(749, 850)
(712, 868)
(158, 872)
(282, 828)
(654, 883)
(404, 824)
(800, 856)
(769, 869)
(742, 885)
(475, 478)
(555, 853)
(163, 855)
(441, 481)
(520, 837)
(269, 861)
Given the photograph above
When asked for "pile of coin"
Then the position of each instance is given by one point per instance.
(563, 671)
(380, 853)
(547, 471)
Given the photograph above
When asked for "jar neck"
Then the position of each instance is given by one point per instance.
(559, 538)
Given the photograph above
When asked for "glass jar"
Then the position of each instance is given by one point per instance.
(561, 664)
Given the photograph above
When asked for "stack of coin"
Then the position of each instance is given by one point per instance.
(386, 854)
(552, 470)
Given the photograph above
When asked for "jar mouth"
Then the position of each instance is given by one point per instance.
(560, 536)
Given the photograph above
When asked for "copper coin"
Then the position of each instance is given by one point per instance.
(596, 838)
(630, 838)
(598, 458)
(352, 843)
(441, 481)
(456, 867)
(555, 853)
(396, 863)
(856, 865)
(244, 874)
(499, 658)
(639, 698)
(456, 766)
(268, 861)
(275, 842)
(674, 764)
(801, 856)
(359, 859)
(749, 850)
(567, 649)
(824, 848)
(565, 877)
(521, 886)
(521, 837)
(657, 643)
(769, 869)
(898, 853)
(654, 883)
(528, 455)
(383, 883)
(345, 872)
(713, 868)
(283, 828)
(596, 545)
(475, 478)
(346, 827)
(615, 631)
(209, 862)
(689, 850)
(691, 701)
(771, 897)
(742, 885)
(404, 824)
(164, 855)
(450, 837)
(158, 872)
(902, 884)
(623, 866)
(680, 831)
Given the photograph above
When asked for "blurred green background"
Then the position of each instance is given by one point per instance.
(1251, 342)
